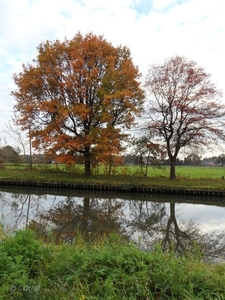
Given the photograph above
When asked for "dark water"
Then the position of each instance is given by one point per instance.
(184, 224)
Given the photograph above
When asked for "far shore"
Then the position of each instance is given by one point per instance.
(195, 181)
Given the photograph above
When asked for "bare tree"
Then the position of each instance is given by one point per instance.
(184, 107)
(22, 139)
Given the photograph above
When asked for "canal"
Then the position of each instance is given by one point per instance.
(180, 223)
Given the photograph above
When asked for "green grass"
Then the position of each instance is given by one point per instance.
(187, 177)
(189, 172)
(110, 268)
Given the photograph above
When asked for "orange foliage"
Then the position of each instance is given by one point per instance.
(74, 93)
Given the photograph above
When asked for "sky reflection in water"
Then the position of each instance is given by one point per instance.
(149, 218)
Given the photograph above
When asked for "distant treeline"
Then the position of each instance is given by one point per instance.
(8, 154)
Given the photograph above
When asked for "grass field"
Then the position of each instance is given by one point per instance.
(187, 177)
(181, 172)
(191, 172)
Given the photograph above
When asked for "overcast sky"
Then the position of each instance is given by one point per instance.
(154, 30)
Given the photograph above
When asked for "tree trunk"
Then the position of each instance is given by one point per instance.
(173, 236)
(85, 217)
(30, 154)
(87, 158)
(172, 168)
(87, 167)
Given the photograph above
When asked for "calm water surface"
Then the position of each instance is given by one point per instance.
(181, 223)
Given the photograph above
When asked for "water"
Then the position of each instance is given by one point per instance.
(185, 224)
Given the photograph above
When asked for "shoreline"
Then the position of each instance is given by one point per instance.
(132, 189)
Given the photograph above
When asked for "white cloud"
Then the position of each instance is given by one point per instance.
(153, 30)
(163, 4)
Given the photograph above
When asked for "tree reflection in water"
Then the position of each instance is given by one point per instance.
(188, 237)
(176, 238)
(92, 219)
(146, 222)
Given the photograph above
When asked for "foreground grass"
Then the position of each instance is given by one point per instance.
(108, 269)
(187, 177)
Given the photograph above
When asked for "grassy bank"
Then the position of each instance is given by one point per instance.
(108, 269)
(187, 177)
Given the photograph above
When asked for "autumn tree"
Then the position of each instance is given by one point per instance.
(75, 94)
(147, 153)
(184, 107)
(109, 153)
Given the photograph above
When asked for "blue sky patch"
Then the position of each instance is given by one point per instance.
(143, 7)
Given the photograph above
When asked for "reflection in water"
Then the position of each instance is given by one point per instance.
(175, 236)
(90, 216)
(61, 217)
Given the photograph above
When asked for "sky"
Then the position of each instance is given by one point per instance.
(153, 30)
